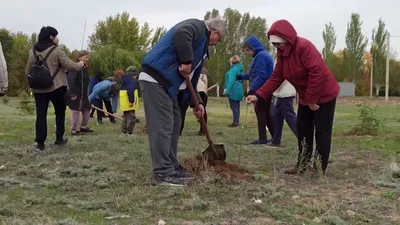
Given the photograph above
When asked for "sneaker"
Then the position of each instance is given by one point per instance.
(61, 142)
(272, 145)
(233, 125)
(183, 173)
(259, 142)
(99, 122)
(75, 133)
(85, 130)
(123, 134)
(163, 179)
(113, 121)
(200, 133)
(40, 147)
(128, 134)
(137, 121)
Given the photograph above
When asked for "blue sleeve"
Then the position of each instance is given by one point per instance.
(92, 84)
(115, 103)
(263, 68)
(245, 76)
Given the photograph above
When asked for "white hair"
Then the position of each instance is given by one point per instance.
(217, 24)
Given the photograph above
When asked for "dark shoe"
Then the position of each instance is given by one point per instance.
(163, 179)
(233, 125)
(137, 121)
(272, 145)
(40, 147)
(200, 133)
(75, 133)
(99, 122)
(183, 173)
(61, 142)
(86, 130)
(259, 142)
(113, 121)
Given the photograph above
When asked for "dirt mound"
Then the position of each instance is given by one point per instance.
(197, 165)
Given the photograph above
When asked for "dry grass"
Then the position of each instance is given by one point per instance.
(103, 178)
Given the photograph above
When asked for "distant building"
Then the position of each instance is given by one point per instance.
(347, 89)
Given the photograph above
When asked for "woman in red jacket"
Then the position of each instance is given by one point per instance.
(299, 62)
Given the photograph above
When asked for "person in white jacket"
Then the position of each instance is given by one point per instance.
(283, 111)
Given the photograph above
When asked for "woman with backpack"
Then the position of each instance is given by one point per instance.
(78, 100)
(45, 70)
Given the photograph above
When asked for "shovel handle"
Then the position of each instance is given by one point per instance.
(107, 113)
(196, 104)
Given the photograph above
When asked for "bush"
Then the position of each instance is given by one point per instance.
(26, 104)
(370, 123)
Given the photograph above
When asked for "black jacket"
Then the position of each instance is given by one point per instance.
(78, 85)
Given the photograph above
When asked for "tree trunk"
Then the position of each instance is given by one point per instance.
(377, 89)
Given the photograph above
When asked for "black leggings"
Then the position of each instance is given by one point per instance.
(321, 121)
(264, 118)
(42, 100)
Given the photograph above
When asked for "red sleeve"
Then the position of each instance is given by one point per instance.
(273, 83)
(314, 64)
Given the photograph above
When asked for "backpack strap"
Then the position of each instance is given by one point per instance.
(49, 52)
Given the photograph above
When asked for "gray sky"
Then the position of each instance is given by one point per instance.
(308, 16)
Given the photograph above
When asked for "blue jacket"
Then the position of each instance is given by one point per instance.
(261, 66)
(130, 85)
(101, 91)
(233, 87)
(185, 43)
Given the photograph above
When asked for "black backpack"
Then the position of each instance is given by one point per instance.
(39, 76)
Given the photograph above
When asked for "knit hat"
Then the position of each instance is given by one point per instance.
(276, 39)
(46, 32)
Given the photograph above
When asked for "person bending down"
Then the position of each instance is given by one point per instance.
(104, 92)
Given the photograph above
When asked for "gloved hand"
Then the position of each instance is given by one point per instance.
(251, 92)
(239, 77)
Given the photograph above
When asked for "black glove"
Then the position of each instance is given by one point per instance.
(251, 92)
(239, 77)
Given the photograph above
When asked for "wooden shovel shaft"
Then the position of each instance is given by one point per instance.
(196, 105)
(107, 113)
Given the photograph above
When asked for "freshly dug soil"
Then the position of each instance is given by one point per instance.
(198, 164)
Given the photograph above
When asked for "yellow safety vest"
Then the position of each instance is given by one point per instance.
(124, 101)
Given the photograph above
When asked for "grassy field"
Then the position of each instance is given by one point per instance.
(103, 178)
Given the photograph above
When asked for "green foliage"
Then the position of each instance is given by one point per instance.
(7, 41)
(122, 31)
(379, 53)
(26, 104)
(370, 123)
(108, 58)
(331, 59)
(356, 44)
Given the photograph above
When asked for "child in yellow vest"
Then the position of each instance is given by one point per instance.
(129, 100)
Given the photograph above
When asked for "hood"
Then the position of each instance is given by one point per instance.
(238, 66)
(283, 29)
(255, 44)
(43, 45)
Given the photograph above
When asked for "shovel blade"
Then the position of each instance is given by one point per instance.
(215, 152)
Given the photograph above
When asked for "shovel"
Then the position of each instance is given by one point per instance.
(213, 151)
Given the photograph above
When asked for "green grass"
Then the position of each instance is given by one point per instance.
(103, 175)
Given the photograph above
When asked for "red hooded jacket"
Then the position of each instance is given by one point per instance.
(303, 66)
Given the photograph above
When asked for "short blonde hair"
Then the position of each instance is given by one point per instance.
(234, 59)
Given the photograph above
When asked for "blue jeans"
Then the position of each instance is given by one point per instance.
(235, 107)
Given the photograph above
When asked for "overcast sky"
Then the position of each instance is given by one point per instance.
(307, 16)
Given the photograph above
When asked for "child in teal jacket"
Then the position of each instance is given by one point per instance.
(234, 88)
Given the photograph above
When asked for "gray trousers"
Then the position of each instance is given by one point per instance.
(163, 122)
